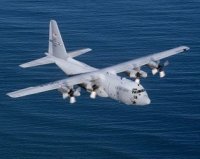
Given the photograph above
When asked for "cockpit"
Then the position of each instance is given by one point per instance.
(140, 96)
(135, 90)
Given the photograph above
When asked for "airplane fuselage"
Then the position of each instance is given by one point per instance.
(111, 85)
(124, 90)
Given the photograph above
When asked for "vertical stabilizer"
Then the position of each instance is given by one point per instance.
(56, 45)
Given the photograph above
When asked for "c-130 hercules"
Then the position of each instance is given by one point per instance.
(102, 82)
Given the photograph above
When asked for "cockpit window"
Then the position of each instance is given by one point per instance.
(137, 91)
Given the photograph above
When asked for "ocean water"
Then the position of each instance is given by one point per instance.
(45, 126)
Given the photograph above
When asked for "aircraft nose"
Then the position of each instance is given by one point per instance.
(148, 101)
(143, 101)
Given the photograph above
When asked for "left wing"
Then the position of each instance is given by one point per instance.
(69, 82)
(129, 65)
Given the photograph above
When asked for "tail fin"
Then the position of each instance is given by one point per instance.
(56, 45)
(56, 49)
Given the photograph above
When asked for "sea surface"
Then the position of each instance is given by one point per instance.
(46, 126)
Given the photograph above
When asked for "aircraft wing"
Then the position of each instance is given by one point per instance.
(71, 81)
(129, 65)
(95, 75)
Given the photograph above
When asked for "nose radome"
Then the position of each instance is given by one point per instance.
(148, 101)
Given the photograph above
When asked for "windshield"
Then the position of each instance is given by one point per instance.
(137, 91)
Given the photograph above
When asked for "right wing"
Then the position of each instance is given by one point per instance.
(136, 63)
(71, 81)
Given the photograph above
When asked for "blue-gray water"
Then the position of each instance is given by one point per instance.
(45, 126)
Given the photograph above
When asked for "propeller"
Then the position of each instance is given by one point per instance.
(137, 74)
(137, 78)
(161, 68)
(93, 93)
(71, 94)
(72, 100)
(158, 67)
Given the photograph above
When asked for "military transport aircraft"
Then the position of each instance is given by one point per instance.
(102, 82)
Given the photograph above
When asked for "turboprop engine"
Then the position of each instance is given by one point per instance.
(95, 90)
(70, 93)
(158, 67)
(137, 74)
(92, 88)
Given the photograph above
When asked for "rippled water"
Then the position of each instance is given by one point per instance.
(45, 126)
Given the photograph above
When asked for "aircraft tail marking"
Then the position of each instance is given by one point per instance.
(56, 44)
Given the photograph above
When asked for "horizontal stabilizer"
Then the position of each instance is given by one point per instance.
(38, 62)
(78, 52)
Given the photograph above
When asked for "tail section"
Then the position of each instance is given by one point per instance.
(56, 45)
(56, 50)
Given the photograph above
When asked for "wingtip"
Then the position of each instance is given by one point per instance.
(22, 66)
(89, 49)
(10, 95)
(185, 48)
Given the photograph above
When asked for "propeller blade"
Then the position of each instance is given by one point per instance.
(65, 95)
(93, 95)
(162, 74)
(143, 74)
(154, 71)
(166, 63)
(72, 100)
(137, 80)
(77, 92)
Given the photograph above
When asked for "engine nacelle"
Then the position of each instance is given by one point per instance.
(137, 74)
(153, 64)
